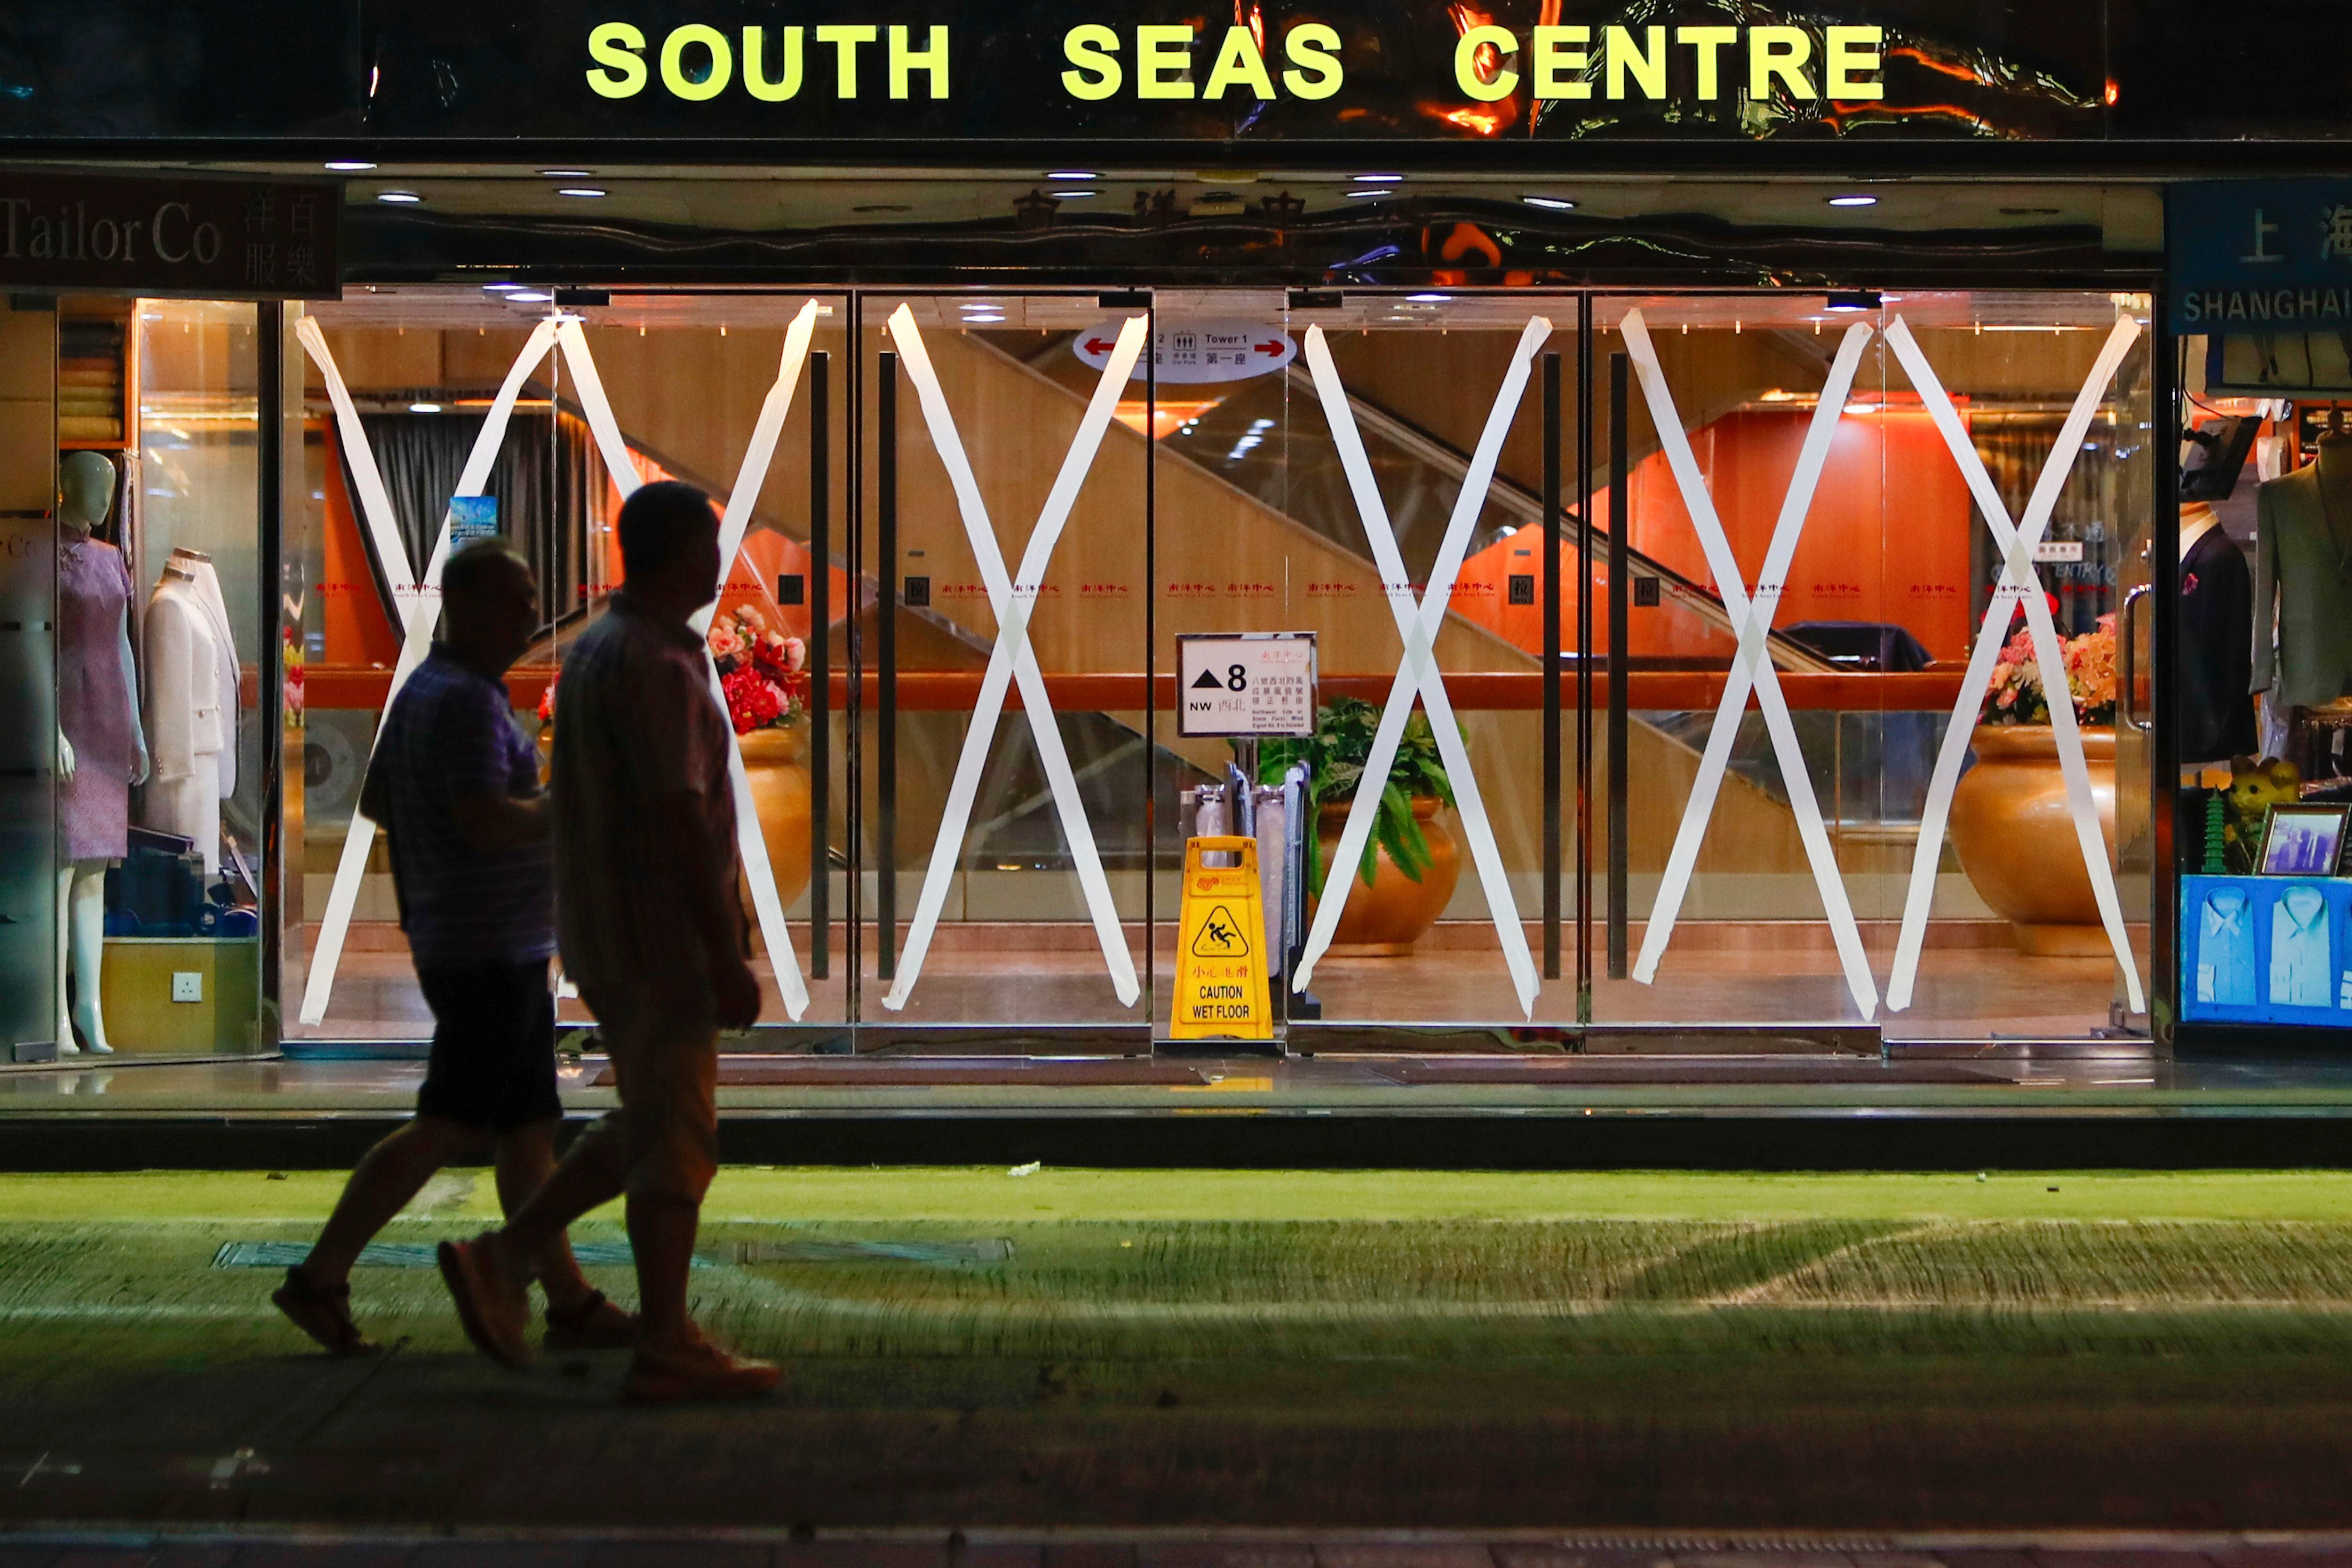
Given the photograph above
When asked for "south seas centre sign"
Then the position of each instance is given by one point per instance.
(1171, 62)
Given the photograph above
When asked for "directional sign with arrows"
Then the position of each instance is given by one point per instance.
(1194, 352)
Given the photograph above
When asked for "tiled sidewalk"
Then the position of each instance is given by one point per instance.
(1166, 1550)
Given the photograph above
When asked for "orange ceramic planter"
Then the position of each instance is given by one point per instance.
(774, 761)
(2016, 839)
(1384, 919)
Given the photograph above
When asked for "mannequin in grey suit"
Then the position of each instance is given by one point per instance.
(2303, 574)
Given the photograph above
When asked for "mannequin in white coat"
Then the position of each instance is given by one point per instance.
(98, 707)
(192, 674)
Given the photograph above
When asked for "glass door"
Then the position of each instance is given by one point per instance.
(545, 412)
(1864, 537)
(1006, 834)
(1372, 472)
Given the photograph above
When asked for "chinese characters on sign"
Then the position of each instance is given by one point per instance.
(2252, 255)
(1189, 351)
(1247, 683)
(224, 238)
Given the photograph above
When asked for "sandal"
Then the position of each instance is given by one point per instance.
(595, 1324)
(325, 1315)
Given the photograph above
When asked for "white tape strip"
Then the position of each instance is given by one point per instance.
(750, 844)
(424, 610)
(2020, 583)
(376, 510)
(1011, 658)
(1752, 667)
(1417, 672)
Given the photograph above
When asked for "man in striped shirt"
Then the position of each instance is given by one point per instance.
(456, 787)
(652, 931)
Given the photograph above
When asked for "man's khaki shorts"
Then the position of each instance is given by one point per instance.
(667, 1067)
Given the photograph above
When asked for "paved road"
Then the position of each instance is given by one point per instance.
(1174, 1551)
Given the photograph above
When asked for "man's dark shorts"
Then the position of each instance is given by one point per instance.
(493, 1065)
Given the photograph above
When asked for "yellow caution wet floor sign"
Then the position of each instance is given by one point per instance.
(1221, 958)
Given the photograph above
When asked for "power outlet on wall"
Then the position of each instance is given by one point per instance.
(187, 985)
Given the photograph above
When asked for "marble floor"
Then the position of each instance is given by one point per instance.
(1972, 985)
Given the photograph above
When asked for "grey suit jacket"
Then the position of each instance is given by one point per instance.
(2302, 571)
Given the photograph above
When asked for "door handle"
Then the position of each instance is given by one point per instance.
(2126, 670)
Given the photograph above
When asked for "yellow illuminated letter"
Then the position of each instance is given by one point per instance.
(673, 62)
(1561, 55)
(1648, 69)
(1091, 47)
(618, 50)
(1238, 65)
(1710, 43)
(1314, 49)
(845, 38)
(1852, 49)
(932, 61)
(1465, 64)
(755, 78)
(1782, 52)
(1163, 50)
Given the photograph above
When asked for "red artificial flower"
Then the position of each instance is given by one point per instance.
(752, 700)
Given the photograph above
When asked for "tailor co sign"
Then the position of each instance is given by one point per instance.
(188, 236)
(1193, 352)
(1176, 61)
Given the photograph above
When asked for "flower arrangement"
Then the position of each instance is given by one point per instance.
(2015, 696)
(762, 672)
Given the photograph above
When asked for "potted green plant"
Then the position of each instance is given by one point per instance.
(1408, 870)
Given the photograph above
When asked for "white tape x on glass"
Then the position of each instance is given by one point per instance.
(2021, 584)
(1418, 624)
(422, 608)
(1011, 658)
(1752, 668)
(422, 602)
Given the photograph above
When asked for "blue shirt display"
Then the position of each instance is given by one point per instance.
(2266, 950)
(2222, 956)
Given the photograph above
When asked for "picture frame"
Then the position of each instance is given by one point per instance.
(2302, 840)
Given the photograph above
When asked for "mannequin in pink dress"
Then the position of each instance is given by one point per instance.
(102, 751)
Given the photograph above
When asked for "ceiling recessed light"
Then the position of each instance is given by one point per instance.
(1428, 299)
(1557, 204)
(503, 288)
(1376, 179)
(1376, 191)
(530, 297)
(1071, 174)
(567, 173)
(1853, 201)
(399, 198)
(349, 165)
(1074, 196)
(578, 191)
(424, 408)
(1854, 299)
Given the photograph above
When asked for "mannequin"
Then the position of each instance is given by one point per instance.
(2303, 581)
(192, 675)
(2217, 640)
(101, 750)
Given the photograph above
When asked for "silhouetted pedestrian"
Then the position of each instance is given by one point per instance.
(456, 787)
(652, 932)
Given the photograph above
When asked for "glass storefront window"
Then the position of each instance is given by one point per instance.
(678, 389)
(958, 905)
(1877, 856)
(140, 569)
